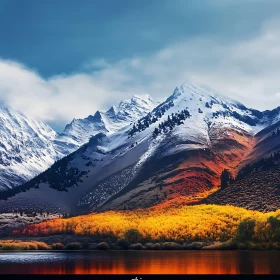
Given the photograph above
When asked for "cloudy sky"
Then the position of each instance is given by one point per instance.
(65, 59)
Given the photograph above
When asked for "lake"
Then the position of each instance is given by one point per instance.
(141, 262)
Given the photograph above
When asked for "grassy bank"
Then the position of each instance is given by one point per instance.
(25, 245)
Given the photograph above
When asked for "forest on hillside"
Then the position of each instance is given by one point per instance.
(182, 225)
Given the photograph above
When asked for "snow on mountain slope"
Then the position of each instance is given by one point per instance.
(26, 148)
(29, 147)
(189, 155)
(79, 131)
(186, 155)
(177, 150)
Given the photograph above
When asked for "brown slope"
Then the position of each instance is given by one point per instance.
(184, 177)
(260, 188)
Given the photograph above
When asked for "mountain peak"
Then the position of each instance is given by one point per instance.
(144, 97)
(194, 87)
(191, 87)
(11, 112)
(113, 110)
(117, 117)
(97, 116)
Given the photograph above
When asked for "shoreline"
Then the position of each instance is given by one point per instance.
(66, 243)
(130, 250)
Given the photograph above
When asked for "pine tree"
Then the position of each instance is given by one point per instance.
(156, 132)
(207, 105)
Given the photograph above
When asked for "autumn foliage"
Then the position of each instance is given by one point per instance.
(23, 245)
(186, 223)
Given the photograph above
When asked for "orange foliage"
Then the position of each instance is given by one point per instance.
(199, 222)
(23, 245)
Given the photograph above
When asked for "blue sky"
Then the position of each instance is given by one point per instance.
(61, 59)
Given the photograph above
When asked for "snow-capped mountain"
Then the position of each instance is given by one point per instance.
(127, 111)
(174, 154)
(28, 147)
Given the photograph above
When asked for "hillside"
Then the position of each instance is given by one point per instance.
(257, 187)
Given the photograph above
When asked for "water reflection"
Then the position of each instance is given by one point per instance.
(141, 262)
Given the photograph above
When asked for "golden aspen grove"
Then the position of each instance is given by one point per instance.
(185, 223)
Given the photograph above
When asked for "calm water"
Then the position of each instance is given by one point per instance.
(141, 262)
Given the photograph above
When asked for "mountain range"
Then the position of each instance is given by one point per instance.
(28, 147)
(195, 147)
